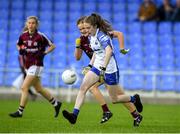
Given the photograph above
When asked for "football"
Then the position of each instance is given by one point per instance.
(69, 76)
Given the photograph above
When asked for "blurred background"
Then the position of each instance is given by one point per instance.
(152, 67)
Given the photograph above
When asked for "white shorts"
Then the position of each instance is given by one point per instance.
(35, 70)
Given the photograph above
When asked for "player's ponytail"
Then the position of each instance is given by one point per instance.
(96, 20)
(25, 28)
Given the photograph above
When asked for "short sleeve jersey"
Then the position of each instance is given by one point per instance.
(35, 47)
(98, 44)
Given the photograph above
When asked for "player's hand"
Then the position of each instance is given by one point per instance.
(124, 51)
(22, 50)
(86, 69)
(78, 42)
(102, 74)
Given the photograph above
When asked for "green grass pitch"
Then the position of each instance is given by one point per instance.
(39, 118)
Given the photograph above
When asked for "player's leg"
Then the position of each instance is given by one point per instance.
(89, 80)
(31, 93)
(137, 103)
(132, 109)
(97, 94)
(24, 95)
(99, 97)
(46, 94)
(117, 95)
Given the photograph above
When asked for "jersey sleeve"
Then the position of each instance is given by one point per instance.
(105, 40)
(46, 41)
(20, 41)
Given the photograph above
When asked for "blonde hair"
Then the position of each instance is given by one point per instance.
(28, 18)
(81, 20)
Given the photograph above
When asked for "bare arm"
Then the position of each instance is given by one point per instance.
(50, 48)
(108, 55)
(78, 51)
(120, 37)
(92, 59)
(87, 68)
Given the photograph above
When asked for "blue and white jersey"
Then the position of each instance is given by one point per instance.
(98, 44)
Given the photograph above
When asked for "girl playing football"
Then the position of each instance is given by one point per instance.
(104, 66)
(32, 45)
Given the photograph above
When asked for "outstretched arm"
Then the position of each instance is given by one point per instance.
(120, 37)
(107, 56)
(50, 48)
(92, 59)
(78, 51)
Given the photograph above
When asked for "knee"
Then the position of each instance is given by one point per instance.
(90, 90)
(83, 89)
(93, 90)
(24, 89)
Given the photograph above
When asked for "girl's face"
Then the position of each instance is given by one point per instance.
(90, 29)
(31, 24)
(82, 29)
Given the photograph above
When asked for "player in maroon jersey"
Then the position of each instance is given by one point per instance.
(82, 45)
(32, 45)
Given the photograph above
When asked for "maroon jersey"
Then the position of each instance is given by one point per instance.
(85, 46)
(35, 46)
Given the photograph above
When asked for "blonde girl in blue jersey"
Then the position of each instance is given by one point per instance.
(104, 68)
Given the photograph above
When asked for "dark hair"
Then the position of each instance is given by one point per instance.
(96, 20)
(81, 20)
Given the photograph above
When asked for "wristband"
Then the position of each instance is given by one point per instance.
(103, 68)
(77, 46)
(90, 65)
